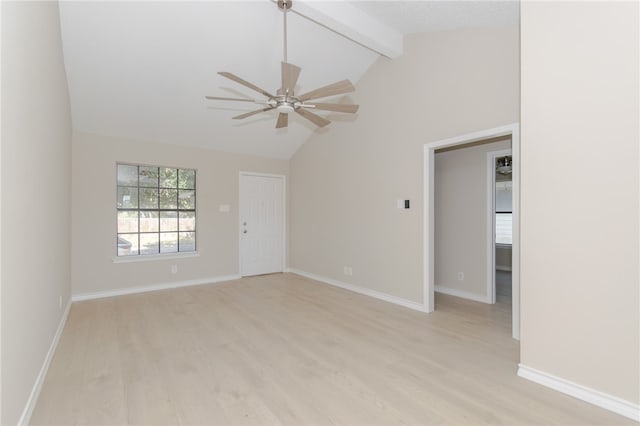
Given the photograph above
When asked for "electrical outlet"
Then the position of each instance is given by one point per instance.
(174, 269)
(460, 276)
(348, 270)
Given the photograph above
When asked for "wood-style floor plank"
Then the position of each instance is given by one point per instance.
(282, 349)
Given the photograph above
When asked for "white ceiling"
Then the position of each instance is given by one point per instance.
(409, 17)
(141, 69)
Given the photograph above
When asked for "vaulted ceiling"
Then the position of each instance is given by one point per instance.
(141, 69)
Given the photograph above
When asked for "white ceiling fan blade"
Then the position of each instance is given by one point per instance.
(249, 114)
(351, 109)
(338, 88)
(283, 120)
(290, 74)
(314, 118)
(251, 86)
(219, 98)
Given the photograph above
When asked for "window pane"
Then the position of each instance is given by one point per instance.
(187, 179)
(149, 222)
(187, 221)
(149, 176)
(168, 198)
(186, 199)
(127, 198)
(503, 228)
(168, 221)
(187, 241)
(168, 177)
(148, 198)
(127, 244)
(127, 175)
(168, 242)
(149, 243)
(127, 221)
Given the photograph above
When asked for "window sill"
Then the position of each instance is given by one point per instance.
(152, 257)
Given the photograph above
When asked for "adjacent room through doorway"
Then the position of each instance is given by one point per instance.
(471, 206)
(503, 227)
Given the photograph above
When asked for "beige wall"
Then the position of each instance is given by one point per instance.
(36, 194)
(94, 217)
(461, 217)
(580, 136)
(346, 179)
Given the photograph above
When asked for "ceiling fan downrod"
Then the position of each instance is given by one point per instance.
(284, 5)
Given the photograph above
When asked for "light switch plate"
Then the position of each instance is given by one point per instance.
(403, 204)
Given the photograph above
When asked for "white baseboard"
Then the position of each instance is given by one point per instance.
(461, 293)
(592, 396)
(361, 290)
(154, 287)
(37, 386)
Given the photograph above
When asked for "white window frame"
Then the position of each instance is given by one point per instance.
(156, 256)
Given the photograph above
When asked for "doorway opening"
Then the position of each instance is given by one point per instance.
(500, 225)
(429, 273)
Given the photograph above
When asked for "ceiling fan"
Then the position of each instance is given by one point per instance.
(285, 101)
(503, 165)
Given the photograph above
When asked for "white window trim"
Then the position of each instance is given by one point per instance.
(156, 256)
(152, 257)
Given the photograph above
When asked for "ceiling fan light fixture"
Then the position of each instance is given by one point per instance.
(504, 170)
(285, 108)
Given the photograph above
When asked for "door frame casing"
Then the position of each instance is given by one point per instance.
(491, 221)
(284, 215)
(512, 130)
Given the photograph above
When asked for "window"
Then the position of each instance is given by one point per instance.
(504, 212)
(503, 228)
(156, 210)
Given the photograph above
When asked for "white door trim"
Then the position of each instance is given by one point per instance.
(284, 215)
(491, 224)
(429, 213)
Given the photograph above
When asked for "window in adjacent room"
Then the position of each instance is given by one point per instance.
(504, 212)
(156, 210)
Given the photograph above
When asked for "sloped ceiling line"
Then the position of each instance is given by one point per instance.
(354, 24)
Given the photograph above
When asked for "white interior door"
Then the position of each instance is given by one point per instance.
(261, 224)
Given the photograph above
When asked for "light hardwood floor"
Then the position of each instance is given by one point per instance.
(282, 349)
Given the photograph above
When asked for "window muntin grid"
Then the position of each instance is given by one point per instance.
(156, 210)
